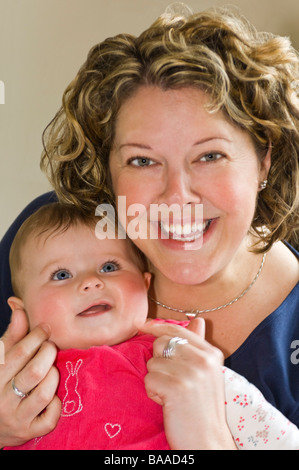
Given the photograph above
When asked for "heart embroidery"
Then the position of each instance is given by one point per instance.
(112, 429)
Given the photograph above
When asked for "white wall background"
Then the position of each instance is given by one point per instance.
(42, 45)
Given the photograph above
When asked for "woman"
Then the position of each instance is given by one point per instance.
(198, 110)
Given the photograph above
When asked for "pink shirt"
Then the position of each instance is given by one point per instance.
(104, 402)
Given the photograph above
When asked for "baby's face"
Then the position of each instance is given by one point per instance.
(90, 291)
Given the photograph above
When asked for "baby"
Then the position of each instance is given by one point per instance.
(93, 293)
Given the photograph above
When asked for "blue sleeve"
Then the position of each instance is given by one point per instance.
(5, 283)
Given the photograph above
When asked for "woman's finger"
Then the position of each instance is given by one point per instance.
(161, 344)
(155, 383)
(35, 415)
(47, 421)
(36, 369)
(21, 353)
(158, 329)
(17, 329)
(200, 350)
(198, 326)
(40, 397)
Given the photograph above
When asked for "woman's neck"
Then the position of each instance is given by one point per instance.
(222, 287)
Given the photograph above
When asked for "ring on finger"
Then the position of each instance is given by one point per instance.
(17, 391)
(169, 349)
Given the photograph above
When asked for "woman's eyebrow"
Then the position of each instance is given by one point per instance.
(148, 147)
(133, 144)
(208, 139)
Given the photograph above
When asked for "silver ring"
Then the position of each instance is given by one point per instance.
(17, 391)
(170, 347)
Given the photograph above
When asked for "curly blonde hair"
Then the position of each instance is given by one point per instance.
(252, 77)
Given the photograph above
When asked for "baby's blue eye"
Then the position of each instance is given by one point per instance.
(61, 275)
(109, 267)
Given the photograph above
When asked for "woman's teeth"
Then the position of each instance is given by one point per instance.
(186, 232)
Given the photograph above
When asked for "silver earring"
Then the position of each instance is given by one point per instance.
(263, 185)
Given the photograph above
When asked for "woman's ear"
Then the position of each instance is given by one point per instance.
(15, 303)
(147, 279)
(266, 163)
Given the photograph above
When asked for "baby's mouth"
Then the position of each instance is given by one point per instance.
(95, 310)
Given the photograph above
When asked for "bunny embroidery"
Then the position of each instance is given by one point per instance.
(72, 400)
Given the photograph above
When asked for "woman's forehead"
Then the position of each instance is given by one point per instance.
(183, 115)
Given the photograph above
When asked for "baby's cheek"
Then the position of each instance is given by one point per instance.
(44, 309)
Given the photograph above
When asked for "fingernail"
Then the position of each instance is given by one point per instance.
(46, 328)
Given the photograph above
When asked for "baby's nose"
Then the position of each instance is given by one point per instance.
(90, 283)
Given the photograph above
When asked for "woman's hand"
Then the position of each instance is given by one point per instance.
(29, 360)
(190, 387)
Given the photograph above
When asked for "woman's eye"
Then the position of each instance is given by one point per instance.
(141, 161)
(109, 267)
(61, 275)
(211, 157)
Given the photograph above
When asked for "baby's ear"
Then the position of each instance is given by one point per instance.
(147, 279)
(15, 303)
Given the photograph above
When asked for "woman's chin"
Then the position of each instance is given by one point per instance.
(187, 275)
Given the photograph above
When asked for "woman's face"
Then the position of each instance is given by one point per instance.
(169, 149)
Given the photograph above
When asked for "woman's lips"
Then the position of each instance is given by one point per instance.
(95, 310)
(186, 233)
(192, 241)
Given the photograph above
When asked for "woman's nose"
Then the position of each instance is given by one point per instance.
(178, 189)
(90, 283)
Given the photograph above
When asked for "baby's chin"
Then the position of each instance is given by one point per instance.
(139, 323)
(87, 344)
(63, 344)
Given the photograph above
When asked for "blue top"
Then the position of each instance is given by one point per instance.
(269, 357)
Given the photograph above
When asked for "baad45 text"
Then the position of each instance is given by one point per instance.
(150, 459)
